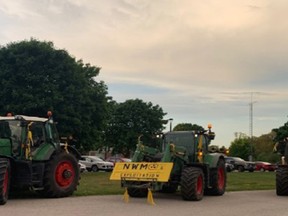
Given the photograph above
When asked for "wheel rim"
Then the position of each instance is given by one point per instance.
(64, 174)
(221, 178)
(199, 184)
(5, 183)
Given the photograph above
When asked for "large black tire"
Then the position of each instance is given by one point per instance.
(282, 181)
(61, 176)
(4, 180)
(192, 184)
(218, 179)
(137, 192)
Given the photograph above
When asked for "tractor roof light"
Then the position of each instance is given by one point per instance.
(209, 126)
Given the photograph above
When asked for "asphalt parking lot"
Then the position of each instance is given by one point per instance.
(253, 203)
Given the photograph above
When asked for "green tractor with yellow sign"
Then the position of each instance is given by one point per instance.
(32, 157)
(184, 163)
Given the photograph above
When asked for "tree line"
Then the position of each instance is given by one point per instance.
(36, 77)
(260, 148)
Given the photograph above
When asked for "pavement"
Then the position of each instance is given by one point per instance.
(248, 203)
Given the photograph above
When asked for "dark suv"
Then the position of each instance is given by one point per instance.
(240, 164)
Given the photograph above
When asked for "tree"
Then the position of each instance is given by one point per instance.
(241, 147)
(264, 148)
(187, 127)
(281, 132)
(131, 119)
(36, 77)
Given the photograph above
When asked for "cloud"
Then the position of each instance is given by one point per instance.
(199, 60)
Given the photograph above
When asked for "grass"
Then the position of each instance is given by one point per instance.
(237, 181)
(99, 183)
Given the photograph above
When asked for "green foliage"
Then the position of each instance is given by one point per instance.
(262, 148)
(129, 120)
(241, 147)
(35, 77)
(187, 127)
(281, 132)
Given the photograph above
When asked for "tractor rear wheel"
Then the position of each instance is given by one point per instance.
(217, 180)
(4, 180)
(192, 184)
(282, 180)
(61, 176)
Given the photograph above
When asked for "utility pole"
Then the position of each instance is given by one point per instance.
(251, 126)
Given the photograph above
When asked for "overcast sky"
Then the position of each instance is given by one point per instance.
(201, 61)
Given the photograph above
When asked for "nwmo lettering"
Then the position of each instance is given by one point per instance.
(135, 166)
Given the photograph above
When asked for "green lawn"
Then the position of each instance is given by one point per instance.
(250, 181)
(99, 183)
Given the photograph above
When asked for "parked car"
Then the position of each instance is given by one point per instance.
(115, 159)
(265, 166)
(94, 164)
(229, 167)
(240, 164)
(250, 166)
(82, 167)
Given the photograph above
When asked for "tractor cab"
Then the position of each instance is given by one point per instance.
(21, 136)
(193, 143)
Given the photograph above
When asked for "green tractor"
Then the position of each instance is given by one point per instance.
(31, 157)
(195, 170)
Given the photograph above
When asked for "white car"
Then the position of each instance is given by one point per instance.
(82, 167)
(94, 164)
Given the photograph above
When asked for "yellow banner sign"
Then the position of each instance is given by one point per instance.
(142, 171)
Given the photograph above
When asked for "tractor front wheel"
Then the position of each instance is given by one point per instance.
(61, 176)
(217, 180)
(192, 184)
(4, 180)
(282, 180)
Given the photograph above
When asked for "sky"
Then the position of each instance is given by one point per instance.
(203, 62)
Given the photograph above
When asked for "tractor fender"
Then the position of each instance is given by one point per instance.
(46, 151)
(71, 150)
(213, 158)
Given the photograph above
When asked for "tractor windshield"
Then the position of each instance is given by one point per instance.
(52, 133)
(185, 139)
